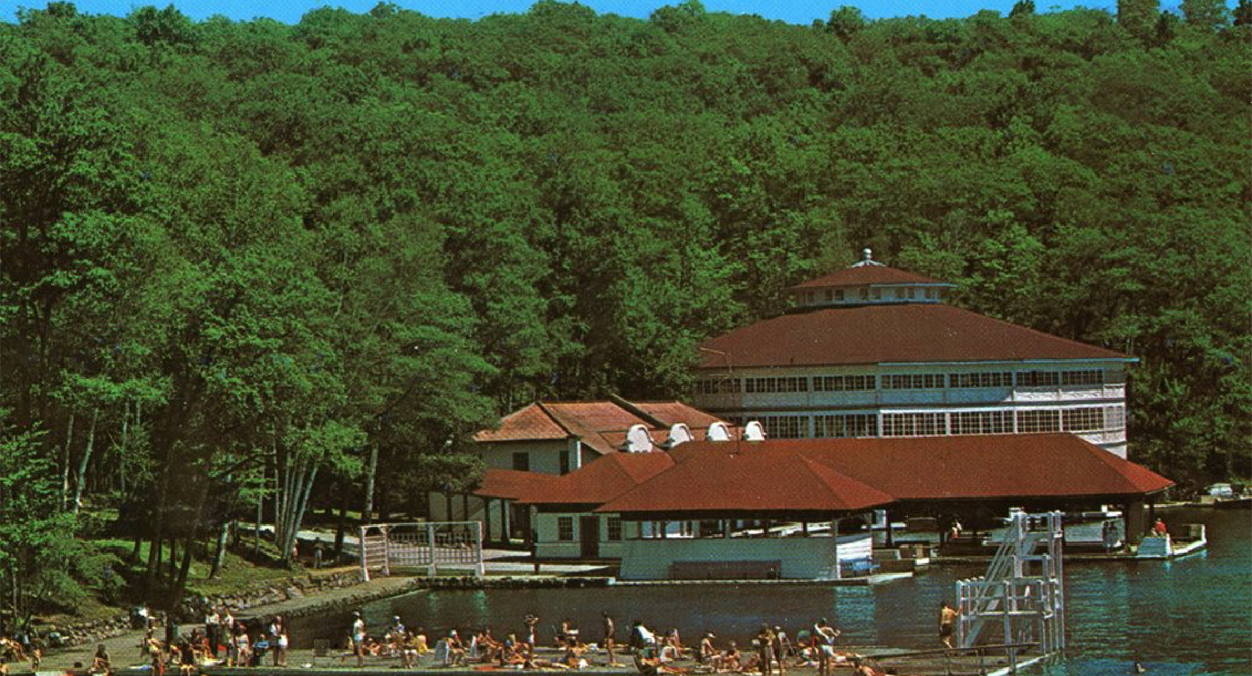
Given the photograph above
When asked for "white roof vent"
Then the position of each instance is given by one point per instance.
(679, 433)
(753, 431)
(718, 431)
(638, 440)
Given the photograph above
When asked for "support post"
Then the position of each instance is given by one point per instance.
(433, 568)
(834, 536)
(386, 550)
(365, 568)
(480, 567)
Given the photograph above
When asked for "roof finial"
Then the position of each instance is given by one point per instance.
(868, 259)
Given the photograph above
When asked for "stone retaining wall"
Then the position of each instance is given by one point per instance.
(299, 587)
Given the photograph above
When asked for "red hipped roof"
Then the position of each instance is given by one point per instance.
(750, 482)
(873, 334)
(1010, 467)
(599, 481)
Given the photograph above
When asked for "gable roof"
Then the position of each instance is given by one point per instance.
(780, 481)
(600, 425)
(874, 334)
(1009, 466)
(861, 275)
(600, 480)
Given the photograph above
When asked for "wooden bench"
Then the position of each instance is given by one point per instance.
(725, 570)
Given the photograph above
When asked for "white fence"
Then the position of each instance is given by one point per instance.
(431, 544)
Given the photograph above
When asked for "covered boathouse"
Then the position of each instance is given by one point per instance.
(731, 498)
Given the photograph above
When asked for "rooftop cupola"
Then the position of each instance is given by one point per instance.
(869, 282)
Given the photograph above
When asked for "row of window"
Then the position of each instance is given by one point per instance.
(902, 381)
(780, 384)
(565, 529)
(926, 424)
(876, 293)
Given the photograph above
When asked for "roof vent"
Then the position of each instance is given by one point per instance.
(638, 440)
(678, 434)
(753, 431)
(867, 259)
(718, 431)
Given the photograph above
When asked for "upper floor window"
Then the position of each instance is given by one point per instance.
(930, 292)
(830, 295)
(838, 294)
(565, 528)
(1038, 379)
(843, 383)
(992, 379)
(1092, 377)
(776, 384)
(718, 386)
(912, 381)
(521, 462)
(865, 293)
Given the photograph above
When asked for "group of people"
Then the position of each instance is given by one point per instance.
(20, 649)
(224, 640)
(772, 650)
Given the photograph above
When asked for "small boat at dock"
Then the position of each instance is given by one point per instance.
(1167, 546)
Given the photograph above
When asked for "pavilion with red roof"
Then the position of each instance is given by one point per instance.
(873, 351)
(718, 487)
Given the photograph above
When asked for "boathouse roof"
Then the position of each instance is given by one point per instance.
(599, 481)
(776, 482)
(798, 475)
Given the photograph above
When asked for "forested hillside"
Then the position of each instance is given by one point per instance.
(245, 249)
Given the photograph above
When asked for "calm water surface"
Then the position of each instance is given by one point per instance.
(1186, 617)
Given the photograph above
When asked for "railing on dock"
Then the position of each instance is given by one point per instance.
(1022, 591)
(426, 545)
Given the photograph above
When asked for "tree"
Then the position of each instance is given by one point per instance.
(845, 22)
(43, 565)
(1138, 17)
(1206, 14)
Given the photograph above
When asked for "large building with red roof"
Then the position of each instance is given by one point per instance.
(872, 351)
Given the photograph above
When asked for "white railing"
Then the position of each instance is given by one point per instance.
(1022, 590)
(430, 544)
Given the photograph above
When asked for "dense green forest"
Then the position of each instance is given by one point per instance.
(240, 255)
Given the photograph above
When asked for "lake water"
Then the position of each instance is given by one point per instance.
(1187, 617)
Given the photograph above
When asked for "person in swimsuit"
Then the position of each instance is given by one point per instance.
(947, 622)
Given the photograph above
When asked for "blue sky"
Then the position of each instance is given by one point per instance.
(794, 11)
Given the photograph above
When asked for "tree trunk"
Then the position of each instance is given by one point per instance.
(81, 478)
(371, 470)
(173, 568)
(121, 457)
(65, 463)
(180, 585)
(342, 524)
(219, 552)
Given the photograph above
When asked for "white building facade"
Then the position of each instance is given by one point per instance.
(871, 351)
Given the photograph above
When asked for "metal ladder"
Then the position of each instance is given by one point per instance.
(1022, 591)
